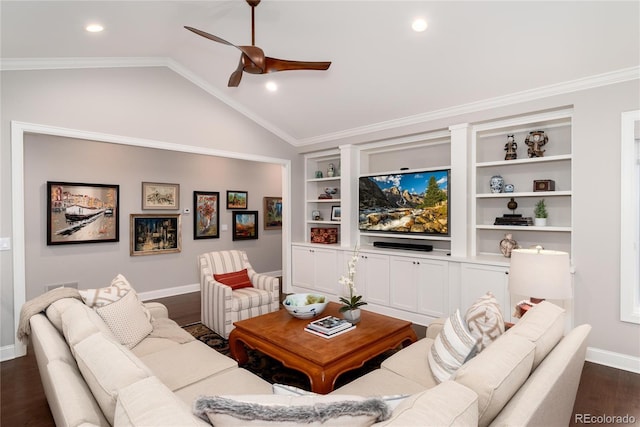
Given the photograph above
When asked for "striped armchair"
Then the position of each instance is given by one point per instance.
(220, 305)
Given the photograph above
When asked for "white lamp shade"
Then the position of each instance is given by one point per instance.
(540, 273)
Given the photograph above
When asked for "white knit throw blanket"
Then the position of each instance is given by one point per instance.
(39, 304)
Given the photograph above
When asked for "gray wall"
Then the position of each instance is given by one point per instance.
(152, 104)
(51, 158)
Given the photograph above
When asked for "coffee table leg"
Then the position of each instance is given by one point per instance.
(238, 350)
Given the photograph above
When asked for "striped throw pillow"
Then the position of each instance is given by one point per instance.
(453, 346)
(485, 321)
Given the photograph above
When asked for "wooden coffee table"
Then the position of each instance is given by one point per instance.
(283, 337)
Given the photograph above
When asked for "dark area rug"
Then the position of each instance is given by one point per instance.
(272, 370)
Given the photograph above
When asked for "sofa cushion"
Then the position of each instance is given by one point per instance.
(118, 288)
(412, 362)
(246, 298)
(235, 280)
(380, 382)
(55, 310)
(497, 373)
(184, 364)
(126, 319)
(484, 320)
(448, 404)
(276, 410)
(148, 402)
(107, 367)
(231, 381)
(79, 322)
(451, 348)
(543, 325)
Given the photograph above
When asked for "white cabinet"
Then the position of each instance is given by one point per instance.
(488, 160)
(478, 279)
(315, 269)
(419, 285)
(372, 278)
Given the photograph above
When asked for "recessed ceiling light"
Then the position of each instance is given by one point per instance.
(94, 28)
(271, 86)
(419, 25)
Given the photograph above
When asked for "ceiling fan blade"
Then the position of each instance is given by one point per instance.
(236, 76)
(273, 64)
(209, 36)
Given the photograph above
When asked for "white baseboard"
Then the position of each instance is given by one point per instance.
(614, 360)
(7, 352)
(169, 292)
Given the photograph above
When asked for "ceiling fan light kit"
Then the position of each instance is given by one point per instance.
(253, 59)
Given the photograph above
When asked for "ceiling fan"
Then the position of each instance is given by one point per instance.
(253, 59)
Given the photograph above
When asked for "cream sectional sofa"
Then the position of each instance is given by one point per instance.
(528, 376)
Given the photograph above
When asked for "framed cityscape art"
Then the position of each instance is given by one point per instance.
(152, 234)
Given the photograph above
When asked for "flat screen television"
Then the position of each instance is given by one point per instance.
(405, 203)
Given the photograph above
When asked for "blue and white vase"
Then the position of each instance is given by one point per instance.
(496, 183)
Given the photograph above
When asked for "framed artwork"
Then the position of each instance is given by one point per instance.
(151, 234)
(157, 195)
(273, 213)
(335, 213)
(237, 199)
(82, 213)
(245, 225)
(206, 218)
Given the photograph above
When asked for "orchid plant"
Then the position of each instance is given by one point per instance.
(353, 301)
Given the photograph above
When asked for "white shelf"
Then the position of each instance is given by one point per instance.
(523, 194)
(324, 201)
(548, 228)
(323, 222)
(517, 162)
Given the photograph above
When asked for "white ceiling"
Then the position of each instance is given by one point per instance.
(383, 74)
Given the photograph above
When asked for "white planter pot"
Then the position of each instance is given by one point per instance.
(540, 222)
(352, 316)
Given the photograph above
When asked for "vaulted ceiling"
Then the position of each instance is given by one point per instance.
(383, 74)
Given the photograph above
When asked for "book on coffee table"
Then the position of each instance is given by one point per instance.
(331, 335)
(329, 325)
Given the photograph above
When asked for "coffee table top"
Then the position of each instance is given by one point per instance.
(282, 330)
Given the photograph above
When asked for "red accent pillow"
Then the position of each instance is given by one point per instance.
(235, 280)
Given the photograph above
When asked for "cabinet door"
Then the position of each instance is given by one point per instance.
(476, 280)
(376, 277)
(403, 279)
(433, 286)
(326, 270)
(303, 267)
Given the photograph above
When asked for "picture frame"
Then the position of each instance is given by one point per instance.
(160, 196)
(82, 213)
(272, 213)
(245, 225)
(237, 199)
(152, 234)
(206, 214)
(335, 213)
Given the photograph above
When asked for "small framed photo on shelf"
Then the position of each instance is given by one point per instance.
(245, 225)
(273, 213)
(152, 234)
(158, 196)
(237, 199)
(335, 213)
(206, 218)
(82, 213)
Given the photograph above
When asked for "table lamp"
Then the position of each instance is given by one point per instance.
(541, 274)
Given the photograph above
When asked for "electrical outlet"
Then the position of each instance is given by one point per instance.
(61, 285)
(5, 243)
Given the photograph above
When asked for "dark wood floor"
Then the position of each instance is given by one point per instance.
(602, 391)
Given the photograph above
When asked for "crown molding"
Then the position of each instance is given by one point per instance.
(590, 82)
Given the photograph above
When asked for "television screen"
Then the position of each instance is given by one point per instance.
(405, 203)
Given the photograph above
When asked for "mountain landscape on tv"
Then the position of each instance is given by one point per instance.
(416, 203)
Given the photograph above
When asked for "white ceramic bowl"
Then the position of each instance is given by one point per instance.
(296, 305)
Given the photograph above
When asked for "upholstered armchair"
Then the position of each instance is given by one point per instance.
(221, 304)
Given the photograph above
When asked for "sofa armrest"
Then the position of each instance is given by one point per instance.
(435, 327)
(265, 282)
(447, 404)
(158, 310)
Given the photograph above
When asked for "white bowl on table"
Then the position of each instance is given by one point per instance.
(297, 305)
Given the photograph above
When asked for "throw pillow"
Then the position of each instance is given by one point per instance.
(485, 321)
(236, 280)
(118, 288)
(126, 319)
(311, 411)
(451, 348)
(392, 400)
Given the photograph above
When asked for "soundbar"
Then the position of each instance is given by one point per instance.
(406, 246)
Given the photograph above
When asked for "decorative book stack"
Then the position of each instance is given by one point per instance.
(329, 327)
